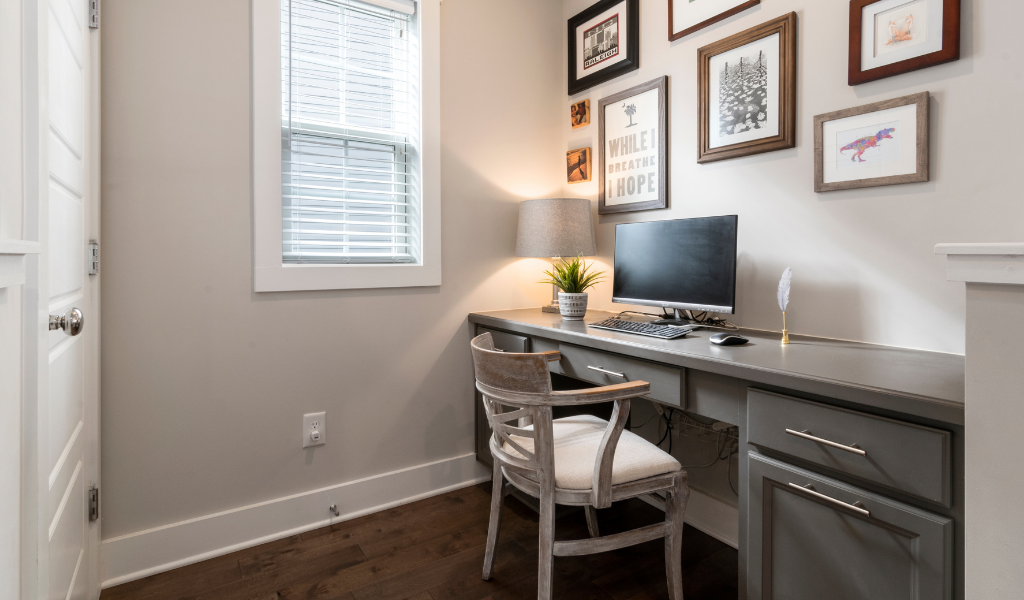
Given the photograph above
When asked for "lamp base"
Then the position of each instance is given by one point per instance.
(551, 308)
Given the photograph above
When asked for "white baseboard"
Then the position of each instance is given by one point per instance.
(144, 553)
(713, 517)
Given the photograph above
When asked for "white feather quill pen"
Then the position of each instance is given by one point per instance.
(787, 278)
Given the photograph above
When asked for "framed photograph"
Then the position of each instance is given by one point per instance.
(688, 16)
(604, 42)
(747, 87)
(579, 113)
(885, 143)
(577, 165)
(633, 133)
(890, 37)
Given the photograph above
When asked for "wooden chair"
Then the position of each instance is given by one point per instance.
(579, 461)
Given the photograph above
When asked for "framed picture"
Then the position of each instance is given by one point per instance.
(885, 143)
(577, 165)
(579, 113)
(687, 16)
(747, 87)
(633, 133)
(604, 42)
(890, 37)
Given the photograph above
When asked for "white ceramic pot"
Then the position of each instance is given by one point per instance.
(572, 306)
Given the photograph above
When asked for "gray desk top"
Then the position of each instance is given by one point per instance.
(925, 384)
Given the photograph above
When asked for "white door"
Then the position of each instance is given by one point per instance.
(68, 365)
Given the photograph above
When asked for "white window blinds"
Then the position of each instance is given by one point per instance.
(350, 133)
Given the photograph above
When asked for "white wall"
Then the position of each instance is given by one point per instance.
(862, 259)
(205, 382)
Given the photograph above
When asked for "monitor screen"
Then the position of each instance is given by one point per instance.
(685, 264)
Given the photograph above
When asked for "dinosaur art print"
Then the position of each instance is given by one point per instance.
(862, 145)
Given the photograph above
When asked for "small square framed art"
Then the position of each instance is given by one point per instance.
(884, 143)
(604, 42)
(747, 92)
(579, 114)
(891, 37)
(577, 165)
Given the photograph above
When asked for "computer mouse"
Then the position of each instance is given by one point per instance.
(728, 339)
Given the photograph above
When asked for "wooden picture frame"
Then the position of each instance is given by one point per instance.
(737, 7)
(578, 165)
(911, 161)
(937, 41)
(715, 139)
(616, 57)
(579, 113)
(634, 162)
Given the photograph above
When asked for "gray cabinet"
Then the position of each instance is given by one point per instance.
(812, 537)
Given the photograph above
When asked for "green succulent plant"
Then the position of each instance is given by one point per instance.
(573, 276)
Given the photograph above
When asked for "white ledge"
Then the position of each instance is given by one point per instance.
(984, 263)
(18, 247)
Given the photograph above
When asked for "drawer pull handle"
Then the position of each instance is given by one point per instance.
(607, 372)
(807, 436)
(856, 507)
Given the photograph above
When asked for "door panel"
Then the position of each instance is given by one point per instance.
(810, 544)
(68, 443)
(67, 243)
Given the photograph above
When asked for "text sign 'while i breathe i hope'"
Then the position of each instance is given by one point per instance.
(633, 150)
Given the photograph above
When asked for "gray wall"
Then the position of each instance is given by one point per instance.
(205, 382)
(862, 259)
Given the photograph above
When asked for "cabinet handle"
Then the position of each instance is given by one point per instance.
(807, 436)
(856, 507)
(606, 372)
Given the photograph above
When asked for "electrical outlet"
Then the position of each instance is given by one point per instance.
(314, 429)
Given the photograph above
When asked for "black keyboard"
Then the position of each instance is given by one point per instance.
(665, 332)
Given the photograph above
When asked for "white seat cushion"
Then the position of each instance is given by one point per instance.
(576, 443)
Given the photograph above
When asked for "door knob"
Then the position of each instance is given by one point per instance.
(72, 322)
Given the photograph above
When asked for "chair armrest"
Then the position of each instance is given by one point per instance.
(619, 391)
(602, 481)
(552, 355)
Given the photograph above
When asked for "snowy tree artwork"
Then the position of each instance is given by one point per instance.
(743, 95)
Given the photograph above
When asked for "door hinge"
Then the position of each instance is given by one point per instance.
(93, 256)
(94, 503)
(94, 14)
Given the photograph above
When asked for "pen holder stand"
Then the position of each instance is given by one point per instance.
(785, 332)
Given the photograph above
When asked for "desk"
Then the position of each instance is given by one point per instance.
(904, 407)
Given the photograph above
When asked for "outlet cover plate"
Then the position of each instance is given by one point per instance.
(314, 421)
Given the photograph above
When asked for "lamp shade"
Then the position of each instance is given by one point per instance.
(550, 227)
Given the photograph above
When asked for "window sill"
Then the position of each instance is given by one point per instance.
(292, 278)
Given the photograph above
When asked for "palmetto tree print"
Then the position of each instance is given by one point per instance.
(630, 111)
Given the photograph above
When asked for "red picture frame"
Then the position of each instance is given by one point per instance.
(949, 52)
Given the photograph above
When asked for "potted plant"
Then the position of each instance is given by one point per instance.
(573, 277)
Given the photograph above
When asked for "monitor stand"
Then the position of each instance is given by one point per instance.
(679, 320)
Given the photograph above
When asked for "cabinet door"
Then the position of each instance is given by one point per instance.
(816, 542)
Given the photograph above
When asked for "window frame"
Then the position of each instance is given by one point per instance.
(270, 273)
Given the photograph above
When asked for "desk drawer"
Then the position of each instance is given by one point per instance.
(667, 383)
(902, 456)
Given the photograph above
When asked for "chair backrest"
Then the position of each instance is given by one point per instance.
(508, 371)
(500, 377)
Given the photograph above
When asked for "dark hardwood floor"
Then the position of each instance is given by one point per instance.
(433, 550)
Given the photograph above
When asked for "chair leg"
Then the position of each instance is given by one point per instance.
(497, 500)
(546, 553)
(592, 521)
(675, 511)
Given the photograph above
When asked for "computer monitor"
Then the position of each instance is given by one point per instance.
(683, 264)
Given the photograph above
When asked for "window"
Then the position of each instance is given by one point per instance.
(348, 99)
(343, 194)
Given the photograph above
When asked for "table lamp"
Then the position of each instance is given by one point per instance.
(555, 228)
